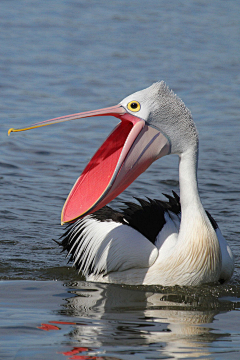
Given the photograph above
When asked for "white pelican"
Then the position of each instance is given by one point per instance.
(153, 242)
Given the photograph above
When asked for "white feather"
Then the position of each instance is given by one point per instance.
(109, 246)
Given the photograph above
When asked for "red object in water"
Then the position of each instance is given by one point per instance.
(74, 351)
(48, 327)
(63, 322)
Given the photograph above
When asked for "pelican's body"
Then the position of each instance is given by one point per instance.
(156, 242)
(142, 244)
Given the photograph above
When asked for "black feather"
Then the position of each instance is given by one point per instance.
(212, 221)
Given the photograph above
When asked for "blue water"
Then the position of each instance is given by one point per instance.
(63, 57)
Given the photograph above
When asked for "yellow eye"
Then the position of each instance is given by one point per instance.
(134, 106)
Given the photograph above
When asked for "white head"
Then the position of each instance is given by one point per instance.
(161, 108)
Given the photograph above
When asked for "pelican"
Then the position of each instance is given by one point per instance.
(173, 242)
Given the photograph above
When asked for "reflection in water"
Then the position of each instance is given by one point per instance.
(174, 323)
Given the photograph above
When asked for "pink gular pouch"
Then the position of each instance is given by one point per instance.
(126, 153)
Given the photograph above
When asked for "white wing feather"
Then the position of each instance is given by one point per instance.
(109, 246)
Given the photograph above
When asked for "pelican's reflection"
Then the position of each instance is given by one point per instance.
(176, 324)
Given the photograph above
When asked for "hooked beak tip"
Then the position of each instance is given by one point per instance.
(10, 130)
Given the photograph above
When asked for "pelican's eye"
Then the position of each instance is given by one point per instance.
(134, 106)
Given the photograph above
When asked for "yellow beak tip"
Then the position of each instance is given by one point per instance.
(10, 130)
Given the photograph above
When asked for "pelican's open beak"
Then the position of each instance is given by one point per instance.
(127, 152)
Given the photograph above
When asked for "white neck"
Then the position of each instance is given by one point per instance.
(189, 195)
(197, 238)
(192, 210)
